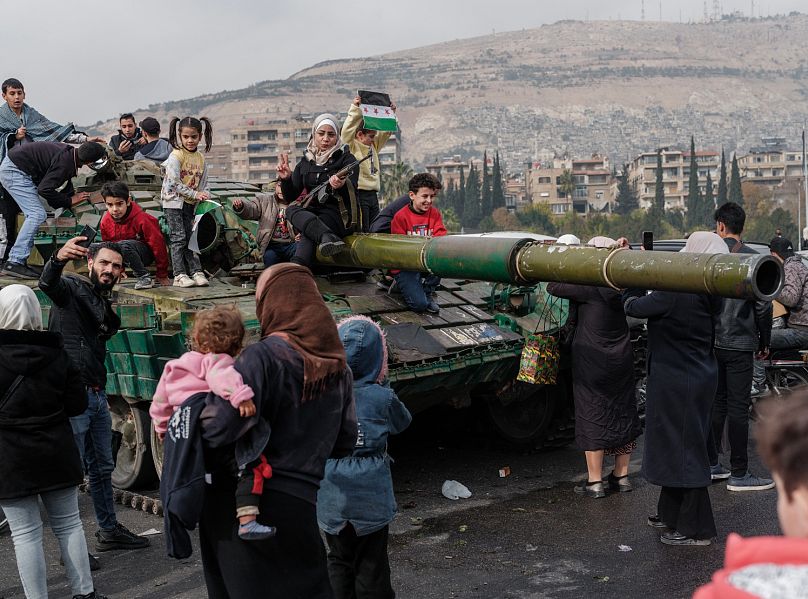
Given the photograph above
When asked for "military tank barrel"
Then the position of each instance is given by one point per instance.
(523, 261)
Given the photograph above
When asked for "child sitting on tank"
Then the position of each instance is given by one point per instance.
(137, 233)
(216, 339)
(419, 217)
(277, 239)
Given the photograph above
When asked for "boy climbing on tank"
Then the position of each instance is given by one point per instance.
(277, 239)
(419, 217)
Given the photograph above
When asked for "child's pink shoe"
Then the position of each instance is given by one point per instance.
(252, 531)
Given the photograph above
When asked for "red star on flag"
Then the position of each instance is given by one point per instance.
(365, 109)
(375, 111)
(386, 111)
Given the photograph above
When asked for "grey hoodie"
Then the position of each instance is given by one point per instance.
(157, 150)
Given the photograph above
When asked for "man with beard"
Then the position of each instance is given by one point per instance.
(83, 314)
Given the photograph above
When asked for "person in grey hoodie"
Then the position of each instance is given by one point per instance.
(155, 148)
(355, 504)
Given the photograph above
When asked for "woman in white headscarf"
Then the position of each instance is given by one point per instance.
(682, 379)
(327, 218)
(39, 390)
(606, 420)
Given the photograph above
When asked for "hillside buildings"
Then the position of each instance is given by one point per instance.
(591, 186)
(771, 164)
(675, 175)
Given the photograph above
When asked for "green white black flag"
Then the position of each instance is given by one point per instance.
(376, 111)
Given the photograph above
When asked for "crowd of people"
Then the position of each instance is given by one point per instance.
(294, 434)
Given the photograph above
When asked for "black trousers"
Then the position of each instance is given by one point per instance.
(312, 223)
(687, 511)
(8, 223)
(731, 406)
(290, 565)
(368, 201)
(359, 567)
(137, 256)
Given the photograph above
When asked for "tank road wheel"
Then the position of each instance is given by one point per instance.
(133, 461)
(157, 452)
(522, 413)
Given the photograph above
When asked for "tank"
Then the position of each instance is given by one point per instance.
(492, 295)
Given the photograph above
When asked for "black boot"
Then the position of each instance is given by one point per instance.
(327, 242)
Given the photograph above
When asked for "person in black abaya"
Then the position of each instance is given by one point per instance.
(682, 379)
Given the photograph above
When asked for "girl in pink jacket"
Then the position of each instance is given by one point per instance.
(216, 339)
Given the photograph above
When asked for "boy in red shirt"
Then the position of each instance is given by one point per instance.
(137, 233)
(419, 217)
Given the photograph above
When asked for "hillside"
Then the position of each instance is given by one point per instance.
(615, 86)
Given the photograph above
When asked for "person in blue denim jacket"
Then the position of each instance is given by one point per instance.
(356, 504)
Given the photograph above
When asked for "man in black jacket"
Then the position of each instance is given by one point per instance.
(743, 329)
(83, 314)
(41, 169)
(129, 138)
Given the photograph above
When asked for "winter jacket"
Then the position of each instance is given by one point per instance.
(119, 138)
(138, 225)
(409, 222)
(195, 372)
(359, 489)
(186, 174)
(49, 164)
(264, 208)
(760, 567)
(37, 449)
(794, 294)
(83, 317)
(367, 181)
(158, 151)
(383, 220)
(743, 325)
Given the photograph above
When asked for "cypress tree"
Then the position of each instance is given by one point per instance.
(722, 181)
(497, 187)
(659, 189)
(486, 201)
(735, 192)
(460, 197)
(471, 204)
(693, 202)
(627, 200)
(708, 207)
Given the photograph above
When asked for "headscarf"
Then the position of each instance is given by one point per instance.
(568, 239)
(601, 241)
(705, 242)
(20, 309)
(290, 306)
(312, 153)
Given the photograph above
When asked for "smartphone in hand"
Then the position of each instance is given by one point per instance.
(89, 233)
(648, 240)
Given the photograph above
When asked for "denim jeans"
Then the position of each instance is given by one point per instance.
(20, 186)
(25, 523)
(416, 287)
(137, 256)
(93, 433)
(180, 224)
(279, 252)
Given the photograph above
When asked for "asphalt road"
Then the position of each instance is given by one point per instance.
(523, 536)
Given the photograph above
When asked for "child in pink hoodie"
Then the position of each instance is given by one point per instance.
(216, 338)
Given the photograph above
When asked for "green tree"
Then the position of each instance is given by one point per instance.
(627, 199)
(659, 189)
(708, 205)
(450, 220)
(721, 198)
(460, 198)
(471, 203)
(693, 201)
(566, 183)
(395, 181)
(486, 203)
(497, 186)
(735, 191)
(537, 219)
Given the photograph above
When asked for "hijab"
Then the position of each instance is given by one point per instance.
(20, 309)
(568, 239)
(290, 306)
(312, 152)
(705, 242)
(601, 241)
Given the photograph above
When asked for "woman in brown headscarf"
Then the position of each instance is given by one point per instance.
(303, 389)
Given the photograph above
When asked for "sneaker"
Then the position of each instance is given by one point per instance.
(718, 472)
(18, 271)
(594, 490)
(183, 280)
(200, 280)
(676, 538)
(385, 283)
(760, 390)
(119, 538)
(93, 595)
(253, 531)
(144, 282)
(656, 522)
(433, 308)
(331, 245)
(94, 563)
(749, 482)
(619, 483)
(3, 522)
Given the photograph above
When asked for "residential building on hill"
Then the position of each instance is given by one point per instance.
(675, 175)
(594, 185)
(771, 164)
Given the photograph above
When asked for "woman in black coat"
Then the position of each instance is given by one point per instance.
(606, 420)
(39, 389)
(682, 379)
(321, 224)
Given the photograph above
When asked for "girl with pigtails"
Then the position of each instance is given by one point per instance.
(185, 184)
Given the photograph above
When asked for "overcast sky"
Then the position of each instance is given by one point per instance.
(87, 60)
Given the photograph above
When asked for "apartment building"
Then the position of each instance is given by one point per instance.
(219, 161)
(257, 145)
(771, 164)
(594, 186)
(675, 175)
(448, 169)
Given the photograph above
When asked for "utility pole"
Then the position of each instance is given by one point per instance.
(642, 13)
(805, 190)
(716, 10)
